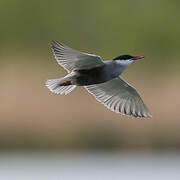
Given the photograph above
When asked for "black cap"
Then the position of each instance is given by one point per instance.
(123, 57)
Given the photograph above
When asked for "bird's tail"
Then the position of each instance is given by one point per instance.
(60, 86)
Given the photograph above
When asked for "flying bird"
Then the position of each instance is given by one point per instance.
(100, 78)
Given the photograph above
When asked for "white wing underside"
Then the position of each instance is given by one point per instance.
(71, 59)
(120, 97)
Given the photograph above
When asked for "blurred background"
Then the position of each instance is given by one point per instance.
(33, 121)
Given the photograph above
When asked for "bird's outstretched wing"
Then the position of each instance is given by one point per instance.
(120, 97)
(71, 59)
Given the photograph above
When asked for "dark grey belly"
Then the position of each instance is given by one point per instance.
(91, 76)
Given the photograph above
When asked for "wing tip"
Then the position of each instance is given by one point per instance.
(134, 115)
(149, 115)
(53, 42)
(56, 44)
(125, 112)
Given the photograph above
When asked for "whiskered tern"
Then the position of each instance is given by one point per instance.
(100, 78)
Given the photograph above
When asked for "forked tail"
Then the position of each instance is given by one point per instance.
(60, 86)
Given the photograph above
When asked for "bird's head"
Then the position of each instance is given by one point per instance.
(125, 61)
(128, 58)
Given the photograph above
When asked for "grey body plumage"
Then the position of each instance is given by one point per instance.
(100, 78)
(110, 70)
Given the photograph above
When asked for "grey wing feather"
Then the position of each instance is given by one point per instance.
(120, 97)
(71, 59)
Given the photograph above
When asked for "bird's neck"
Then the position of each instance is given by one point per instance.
(122, 65)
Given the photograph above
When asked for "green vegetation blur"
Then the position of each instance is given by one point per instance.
(109, 28)
(31, 117)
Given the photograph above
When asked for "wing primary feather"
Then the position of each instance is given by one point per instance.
(120, 97)
(71, 59)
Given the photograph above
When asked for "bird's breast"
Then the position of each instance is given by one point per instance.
(91, 76)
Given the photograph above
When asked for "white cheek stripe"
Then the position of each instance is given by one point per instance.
(124, 62)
